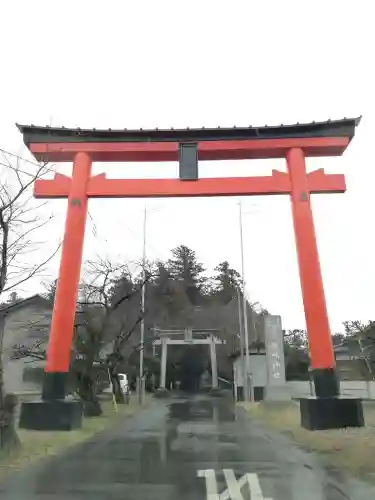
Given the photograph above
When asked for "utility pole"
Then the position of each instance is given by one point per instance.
(143, 295)
(245, 388)
(248, 395)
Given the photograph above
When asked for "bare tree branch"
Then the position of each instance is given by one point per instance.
(36, 351)
(34, 271)
(124, 336)
(19, 219)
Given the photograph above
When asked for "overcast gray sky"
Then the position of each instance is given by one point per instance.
(207, 63)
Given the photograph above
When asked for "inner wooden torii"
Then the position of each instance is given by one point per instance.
(294, 143)
(173, 337)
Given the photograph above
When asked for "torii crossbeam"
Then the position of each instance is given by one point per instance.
(292, 142)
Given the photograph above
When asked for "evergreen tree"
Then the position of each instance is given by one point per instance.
(163, 277)
(119, 287)
(51, 291)
(14, 298)
(185, 267)
(227, 282)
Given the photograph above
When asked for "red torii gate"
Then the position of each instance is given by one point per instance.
(188, 146)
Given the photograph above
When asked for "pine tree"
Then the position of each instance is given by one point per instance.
(185, 267)
(51, 291)
(162, 276)
(14, 298)
(227, 282)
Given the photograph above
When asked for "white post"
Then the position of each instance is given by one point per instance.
(245, 388)
(138, 388)
(247, 393)
(215, 414)
(141, 353)
(163, 368)
(2, 364)
(215, 383)
(235, 381)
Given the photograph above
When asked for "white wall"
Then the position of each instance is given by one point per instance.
(299, 389)
(21, 328)
(360, 388)
(258, 368)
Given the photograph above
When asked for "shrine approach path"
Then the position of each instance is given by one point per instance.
(185, 448)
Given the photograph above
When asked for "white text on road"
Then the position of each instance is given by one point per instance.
(234, 487)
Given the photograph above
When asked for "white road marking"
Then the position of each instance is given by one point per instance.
(211, 483)
(254, 486)
(234, 486)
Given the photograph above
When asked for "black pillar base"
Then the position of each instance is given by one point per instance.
(53, 412)
(161, 392)
(326, 382)
(327, 409)
(331, 413)
(57, 415)
(258, 394)
(240, 394)
(54, 385)
(216, 391)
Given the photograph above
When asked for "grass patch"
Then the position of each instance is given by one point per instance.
(351, 449)
(38, 444)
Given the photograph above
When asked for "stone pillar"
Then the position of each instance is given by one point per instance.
(163, 366)
(215, 383)
(188, 335)
(276, 388)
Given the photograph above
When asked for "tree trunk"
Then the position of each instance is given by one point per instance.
(87, 393)
(9, 440)
(119, 396)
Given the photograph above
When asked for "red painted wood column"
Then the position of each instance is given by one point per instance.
(62, 327)
(317, 323)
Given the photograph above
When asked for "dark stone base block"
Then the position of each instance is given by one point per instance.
(217, 392)
(326, 382)
(240, 394)
(53, 415)
(92, 409)
(54, 385)
(331, 413)
(161, 393)
(258, 393)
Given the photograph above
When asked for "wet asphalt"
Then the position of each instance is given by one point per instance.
(188, 448)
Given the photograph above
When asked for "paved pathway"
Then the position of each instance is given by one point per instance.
(186, 449)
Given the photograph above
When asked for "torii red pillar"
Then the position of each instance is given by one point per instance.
(317, 323)
(64, 311)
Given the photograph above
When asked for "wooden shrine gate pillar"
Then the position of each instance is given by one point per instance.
(64, 310)
(317, 323)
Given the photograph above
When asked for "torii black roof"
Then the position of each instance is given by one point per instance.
(331, 128)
